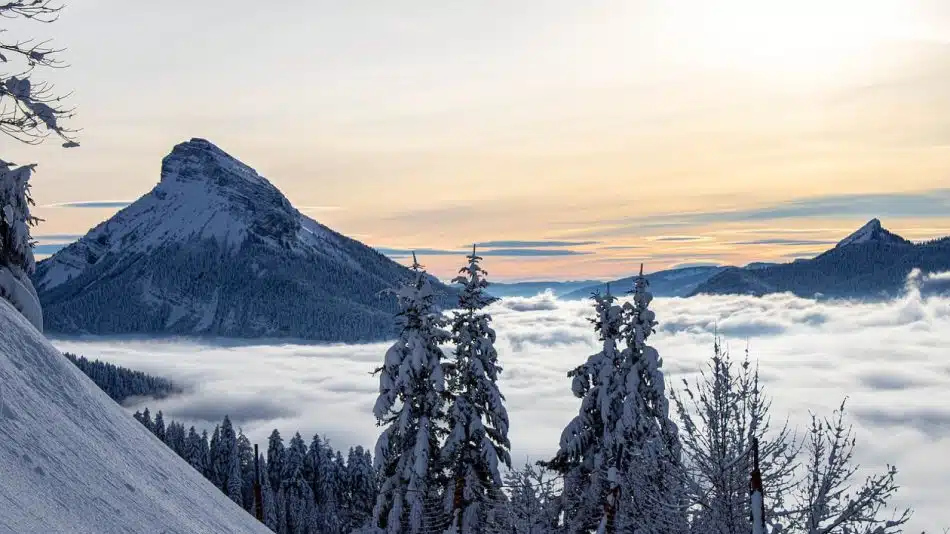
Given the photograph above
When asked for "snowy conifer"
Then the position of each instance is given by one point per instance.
(587, 444)
(645, 441)
(245, 453)
(147, 420)
(205, 455)
(194, 454)
(361, 485)
(532, 507)
(158, 428)
(275, 459)
(297, 493)
(268, 497)
(478, 420)
(411, 407)
(225, 458)
(214, 462)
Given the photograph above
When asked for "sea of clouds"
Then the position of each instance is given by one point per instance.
(890, 359)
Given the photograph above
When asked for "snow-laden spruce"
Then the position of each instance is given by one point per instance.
(412, 408)
(478, 420)
(16, 246)
(618, 454)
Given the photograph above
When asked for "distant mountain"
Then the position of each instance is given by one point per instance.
(670, 283)
(870, 263)
(530, 289)
(216, 250)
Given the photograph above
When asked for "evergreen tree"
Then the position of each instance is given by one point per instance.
(194, 453)
(245, 455)
(411, 407)
(478, 420)
(583, 455)
(205, 455)
(275, 459)
(235, 481)
(269, 498)
(314, 468)
(645, 442)
(214, 450)
(159, 426)
(225, 458)
(298, 494)
(361, 486)
(147, 420)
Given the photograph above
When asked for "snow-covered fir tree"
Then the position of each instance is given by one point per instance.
(16, 245)
(245, 454)
(411, 406)
(158, 427)
(478, 421)
(214, 461)
(297, 492)
(268, 497)
(646, 440)
(619, 454)
(588, 443)
(275, 459)
(195, 453)
(361, 487)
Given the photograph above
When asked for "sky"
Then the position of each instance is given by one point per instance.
(887, 357)
(667, 132)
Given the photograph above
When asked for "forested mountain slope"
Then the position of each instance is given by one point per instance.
(215, 249)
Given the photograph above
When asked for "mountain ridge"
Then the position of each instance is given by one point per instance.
(871, 263)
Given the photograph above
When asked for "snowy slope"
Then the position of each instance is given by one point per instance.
(72, 461)
(216, 249)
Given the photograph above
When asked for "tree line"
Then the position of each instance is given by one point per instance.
(121, 383)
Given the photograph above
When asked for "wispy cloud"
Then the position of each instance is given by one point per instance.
(534, 244)
(45, 250)
(319, 208)
(90, 204)
(785, 242)
(933, 203)
(56, 238)
(679, 238)
(509, 252)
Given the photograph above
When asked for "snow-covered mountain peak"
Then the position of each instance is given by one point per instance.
(198, 159)
(872, 231)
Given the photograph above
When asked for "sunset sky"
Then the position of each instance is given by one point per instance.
(577, 138)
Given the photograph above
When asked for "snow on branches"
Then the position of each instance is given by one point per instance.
(478, 420)
(411, 405)
(30, 111)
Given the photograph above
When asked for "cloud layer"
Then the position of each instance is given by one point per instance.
(889, 359)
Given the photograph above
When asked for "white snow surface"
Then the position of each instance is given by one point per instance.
(19, 291)
(72, 461)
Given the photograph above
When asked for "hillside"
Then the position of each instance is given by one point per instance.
(668, 283)
(216, 250)
(72, 461)
(870, 263)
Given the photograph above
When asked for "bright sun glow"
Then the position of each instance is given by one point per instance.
(807, 38)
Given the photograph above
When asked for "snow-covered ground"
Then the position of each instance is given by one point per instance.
(71, 461)
(891, 359)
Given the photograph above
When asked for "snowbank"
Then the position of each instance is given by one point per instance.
(71, 460)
